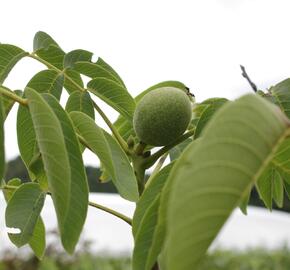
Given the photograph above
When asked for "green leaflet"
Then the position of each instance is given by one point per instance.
(278, 190)
(51, 142)
(80, 101)
(78, 190)
(245, 201)
(23, 210)
(282, 95)
(114, 95)
(75, 56)
(175, 152)
(125, 127)
(148, 196)
(144, 236)
(145, 222)
(8, 103)
(73, 81)
(209, 108)
(99, 69)
(158, 243)
(37, 241)
(46, 48)
(9, 56)
(2, 141)
(210, 179)
(110, 154)
(42, 40)
(47, 81)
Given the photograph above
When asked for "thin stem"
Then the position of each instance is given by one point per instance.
(114, 131)
(117, 135)
(112, 212)
(4, 91)
(156, 169)
(246, 76)
(152, 159)
(95, 205)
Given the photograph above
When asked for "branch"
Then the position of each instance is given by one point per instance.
(246, 76)
(152, 159)
(8, 93)
(95, 205)
(114, 131)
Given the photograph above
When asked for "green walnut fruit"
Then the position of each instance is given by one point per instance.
(162, 115)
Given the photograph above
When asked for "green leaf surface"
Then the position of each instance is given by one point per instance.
(144, 237)
(47, 81)
(55, 157)
(80, 101)
(78, 190)
(278, 190)
(45, 47)
(2, 140)
(149, 195)
(114, 95)
(23, 211)
(38, 241)
(175, 152)
(9, 56)
(76, 55)
(73, 81)
(94, 70)
(209, 108)
(110, 154)
(8, 102)
(281, 93)
(210, 179)
(264, 186)
(42, 40)
(245, 201)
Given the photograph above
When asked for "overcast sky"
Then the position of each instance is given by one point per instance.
(200, 43)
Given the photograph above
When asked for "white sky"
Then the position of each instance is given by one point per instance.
(200, 43)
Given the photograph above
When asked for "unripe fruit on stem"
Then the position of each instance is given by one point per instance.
(162, 116)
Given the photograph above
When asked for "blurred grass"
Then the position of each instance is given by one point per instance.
(254, 259)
